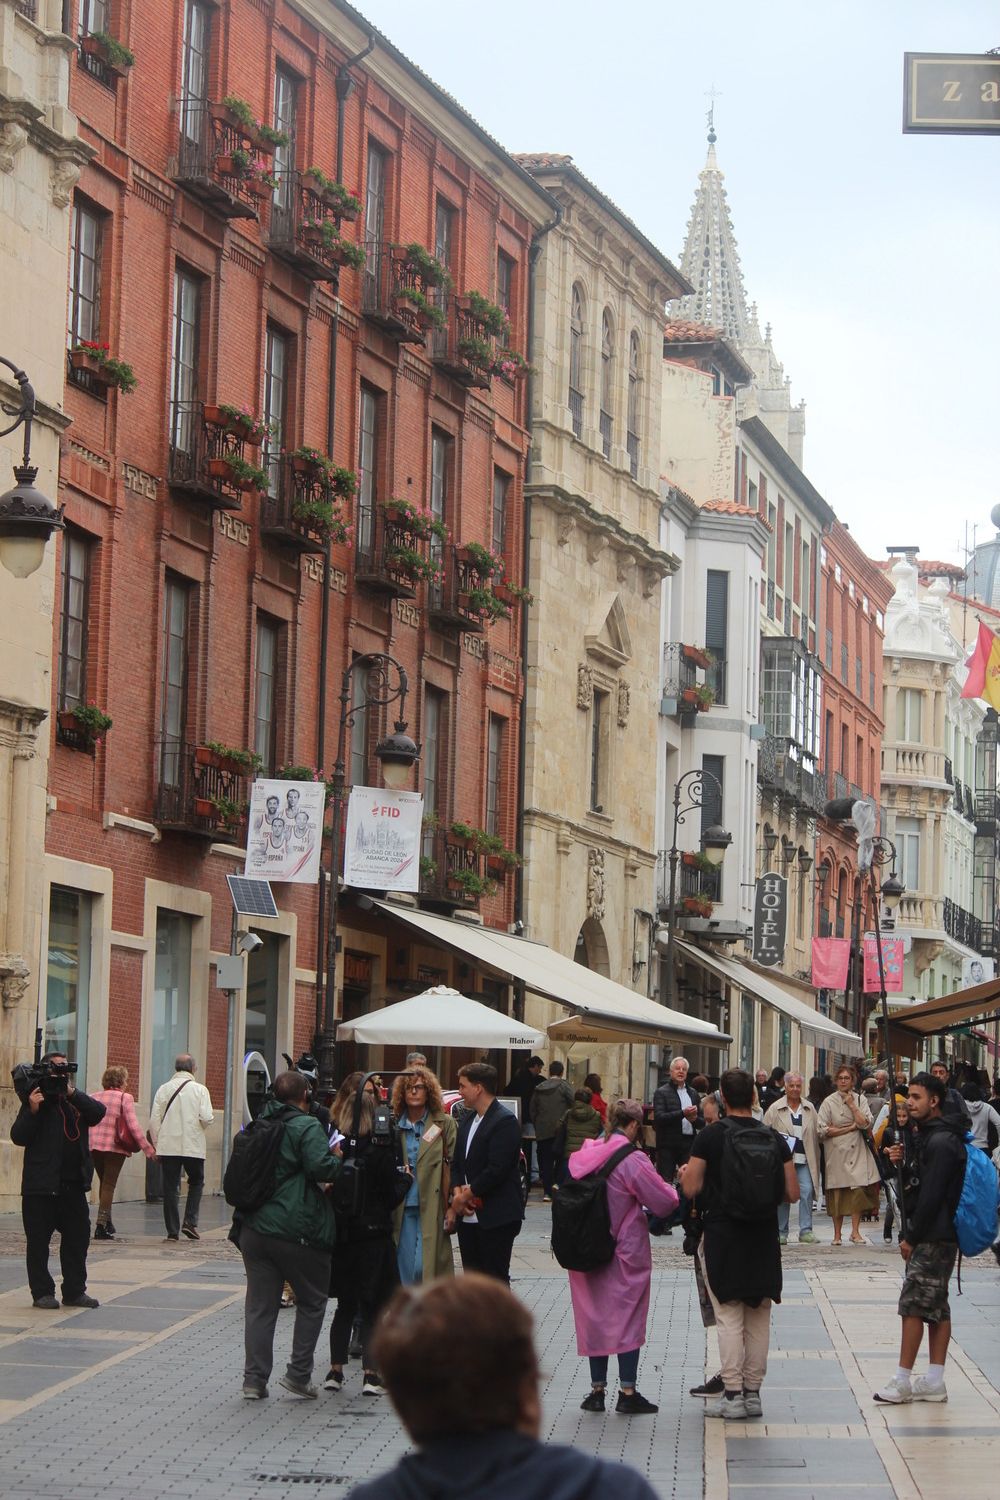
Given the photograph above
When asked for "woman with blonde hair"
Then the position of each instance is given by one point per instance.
(427, 1141)
(114, 1139)
(852, 1177)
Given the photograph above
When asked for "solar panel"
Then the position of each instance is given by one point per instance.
(252, 898)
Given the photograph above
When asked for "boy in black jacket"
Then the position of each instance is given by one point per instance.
(931, 1246)
(55, 1178)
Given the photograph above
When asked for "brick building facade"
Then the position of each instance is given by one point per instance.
(209, 255)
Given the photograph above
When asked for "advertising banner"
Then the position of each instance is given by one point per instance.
(382, 847)
(831, 959)
(285, 831)
(770, 916)
(892, 961)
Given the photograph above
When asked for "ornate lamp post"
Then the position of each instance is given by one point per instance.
(397, 754)
(27, 517)
(714, 842)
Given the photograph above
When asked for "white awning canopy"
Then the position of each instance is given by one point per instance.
(439, 1017)
(603, 1011)
(816, 1030)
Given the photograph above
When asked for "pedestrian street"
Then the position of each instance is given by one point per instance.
(142, 1396)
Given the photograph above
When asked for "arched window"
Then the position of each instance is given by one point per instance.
(607, 375)
(633, 405)
(576, 361)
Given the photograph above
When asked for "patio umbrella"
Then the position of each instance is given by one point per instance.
(439, 1017)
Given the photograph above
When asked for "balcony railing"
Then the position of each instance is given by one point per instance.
(449, 602)
(452, 863)
(28, 8)
(696, 882)
(304, 228)
(196, 466)
(465, 349)
(388, 281)
(288, 515)
(381, 536)
(963, 926)
(785, 769)
(196, 795)
(215, 162)
(987, 811)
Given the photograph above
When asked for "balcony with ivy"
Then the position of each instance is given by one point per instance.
(402, 290)
(201, 791)
(392, 552)
(303, 506)
(208, 459)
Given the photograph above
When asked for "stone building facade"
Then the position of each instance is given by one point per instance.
(596, 563)
(40, 159)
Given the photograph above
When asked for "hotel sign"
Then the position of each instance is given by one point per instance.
(951, 93)
(770, 916)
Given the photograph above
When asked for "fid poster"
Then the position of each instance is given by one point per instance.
(285, 831)
(382, 847)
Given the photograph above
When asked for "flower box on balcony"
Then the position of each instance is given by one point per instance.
(90, 364)
(696, 906)
(108, 51)
(205, 755)
(204, 807)
(238, 117)
(235, 471)
(698, 656)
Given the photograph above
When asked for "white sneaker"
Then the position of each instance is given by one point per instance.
(922, 1389)
(895, 1392)
(730, 1410)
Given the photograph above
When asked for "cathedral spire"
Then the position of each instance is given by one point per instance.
(710, 259)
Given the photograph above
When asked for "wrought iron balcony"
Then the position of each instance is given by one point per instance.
(389, 282)
(305, 228)
(217, 163)
(458, 874)
(783, 768)
(28, 8)
(383, 538)
(198, 794)
(197, 466)
(683, 694)
(465, 349)
(695, 882)
(291, 510)
(963, 926)
(449, 602)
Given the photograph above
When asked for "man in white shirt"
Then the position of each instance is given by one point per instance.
(181, 1113)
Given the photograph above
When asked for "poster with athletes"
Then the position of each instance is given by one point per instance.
(285, 831)
(382, 847)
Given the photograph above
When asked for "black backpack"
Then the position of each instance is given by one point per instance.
(249, 1180)
(753, 1171)
(581, 1224)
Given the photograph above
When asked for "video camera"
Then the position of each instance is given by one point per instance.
(51, 1077)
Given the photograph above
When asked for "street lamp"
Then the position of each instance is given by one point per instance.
(893, 891)
(714, 842)
(397, 754)
(27, 517)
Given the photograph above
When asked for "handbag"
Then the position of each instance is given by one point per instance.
(124, 1139)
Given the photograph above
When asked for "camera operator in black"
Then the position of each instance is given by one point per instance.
(364, 1273)
(52, 1126)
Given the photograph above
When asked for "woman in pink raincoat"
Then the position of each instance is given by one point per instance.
(610, 1304)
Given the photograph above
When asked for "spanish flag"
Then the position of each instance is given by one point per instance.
(983, 680)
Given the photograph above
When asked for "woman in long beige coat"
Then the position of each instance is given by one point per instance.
(852, 1180)
(427, 1143)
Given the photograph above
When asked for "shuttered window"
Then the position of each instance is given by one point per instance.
(717, 630)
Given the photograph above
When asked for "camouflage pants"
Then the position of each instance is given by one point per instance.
(925, 1290)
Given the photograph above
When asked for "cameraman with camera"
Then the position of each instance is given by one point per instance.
(52, 1126)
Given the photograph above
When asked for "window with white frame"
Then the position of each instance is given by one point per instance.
(908, 715)
(907, 843)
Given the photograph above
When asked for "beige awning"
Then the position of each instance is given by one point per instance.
(908, 1028)
(603, 1011)
(816, 1030)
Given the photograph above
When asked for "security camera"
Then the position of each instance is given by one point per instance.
(249, 942)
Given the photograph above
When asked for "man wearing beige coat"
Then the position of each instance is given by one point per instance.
(795, 1119)
(182, 1112)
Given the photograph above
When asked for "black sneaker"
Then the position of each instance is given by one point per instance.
(48, 1303)
(373, 1384)
(101, 1232)
(82, 1301)
(189, 1232)
(634, 1405)
(713, 1387)
(333, 1380)
(595, 1401)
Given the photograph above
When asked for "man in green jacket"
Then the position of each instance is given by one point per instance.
(290, 1239)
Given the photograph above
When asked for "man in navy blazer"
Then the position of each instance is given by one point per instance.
(486, 1205)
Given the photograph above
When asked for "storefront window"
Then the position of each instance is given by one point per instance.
(746, 1034)
(261, 1031)
(67, 987)
(171, 993)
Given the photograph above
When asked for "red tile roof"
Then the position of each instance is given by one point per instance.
(926, 567)
(680, 331)
(731, 508)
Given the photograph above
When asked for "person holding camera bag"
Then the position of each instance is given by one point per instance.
(52, 1126)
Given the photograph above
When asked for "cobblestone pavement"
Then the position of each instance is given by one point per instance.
(142, 1396)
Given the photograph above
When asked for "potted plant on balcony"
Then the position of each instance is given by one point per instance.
(321, 516)
(240, 421)
(84, 722)
(237, 114)
(98, 362)
(696, 906)
(478, 353)
(334, 194)
(481, 560)
(428, 868)
(421, 263)
(463, 835)
(485, 603)
(239, 762)
(309, 461)
(419, 523)
(268, 139)
(470, 883)
(491, 317)
(413, 565)
(509, 364)
(237, 472)
(108, 50)
(225, 812)
(698, 656)
(429, 315)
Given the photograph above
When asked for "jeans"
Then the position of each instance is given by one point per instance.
(107, 1165)
(270, 1262)
(194, 1166)
(628, 1368)
(547, 1164)
(43, 1214)
(805, 1201)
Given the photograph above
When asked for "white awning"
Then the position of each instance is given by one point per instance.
(603, 1011)
(816, 1030)
(440, 1017)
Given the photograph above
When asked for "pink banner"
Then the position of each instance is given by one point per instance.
(892, 960)
(831, 957)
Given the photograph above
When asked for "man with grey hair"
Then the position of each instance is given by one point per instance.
(416, 1059)
(795, 1118)
(181, 1113)
(676, 1117)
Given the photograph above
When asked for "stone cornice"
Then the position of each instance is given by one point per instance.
(45, 415)
(613, 533)
(587, 836)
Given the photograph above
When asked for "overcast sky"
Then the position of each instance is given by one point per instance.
(874, 255)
